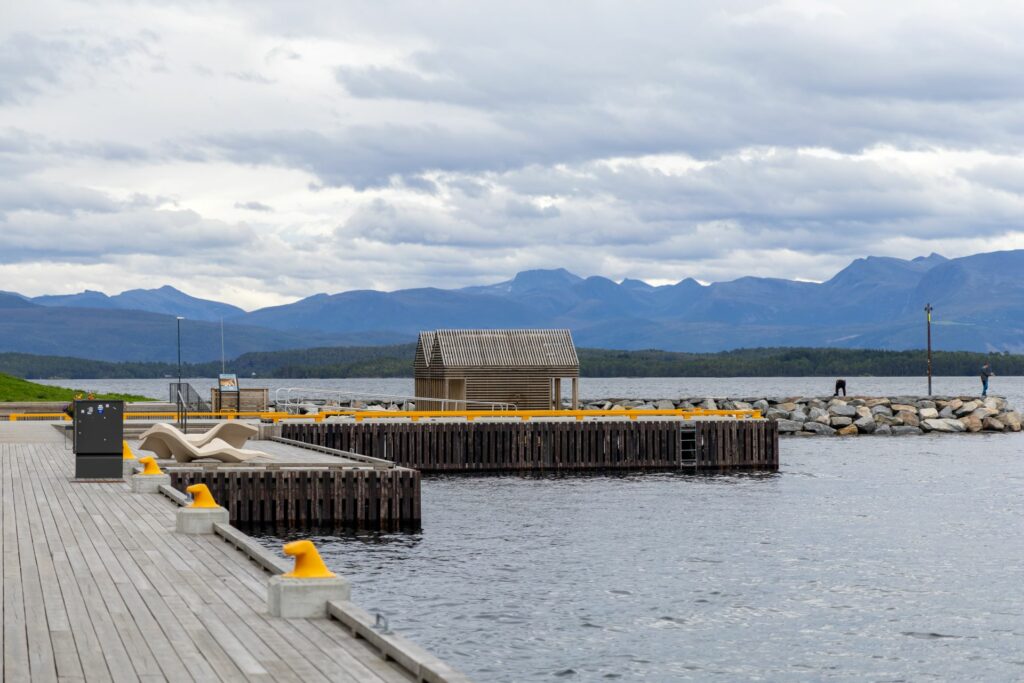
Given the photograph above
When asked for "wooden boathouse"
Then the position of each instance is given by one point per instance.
(466, 369)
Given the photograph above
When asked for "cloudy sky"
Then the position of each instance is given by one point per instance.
(258, 152)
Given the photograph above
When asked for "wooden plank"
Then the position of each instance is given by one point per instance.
(15, 639)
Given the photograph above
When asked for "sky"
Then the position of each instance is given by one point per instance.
(259, 152)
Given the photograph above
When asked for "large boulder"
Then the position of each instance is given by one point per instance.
(872, 402)
(971, 423)
(789, 426)
(788, 406)
(761, 405)
(841, 422)
(928, 413)
(798, 416)
(742, 405)
(665, 404)
(994, 403)
(848, 430)
(776, 414)
(947, 412)
(967, 408)
(880, 409)
(945, 425)
(815, 412)
(926, 403)
(883, 430)
(843, 411)
(820, 429)
(941, 425)
(883, 419)
(954, 404)
(1011, 419)
(863, 411)
(709, 404)
(908, 418)
(903, 408)
(905, 430)
(992, 424)
(866, 424)
(983, 412)
(955, 424)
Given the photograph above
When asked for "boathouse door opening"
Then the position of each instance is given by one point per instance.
(556, 393)
(456, 391)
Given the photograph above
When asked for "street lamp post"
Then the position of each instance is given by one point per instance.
(928, 312)
(178, 398)
(180, 318)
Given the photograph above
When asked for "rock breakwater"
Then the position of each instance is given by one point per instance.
(855, 415)
(818, 416)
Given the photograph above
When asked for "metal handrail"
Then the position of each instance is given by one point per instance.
(182, 412)
(293, 397)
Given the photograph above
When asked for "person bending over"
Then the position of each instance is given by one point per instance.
(840, 386)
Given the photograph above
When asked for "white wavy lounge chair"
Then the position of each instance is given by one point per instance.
(171, 443)
(235, 433)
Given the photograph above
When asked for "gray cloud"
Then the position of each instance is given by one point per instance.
(396, 146)
(253, 206)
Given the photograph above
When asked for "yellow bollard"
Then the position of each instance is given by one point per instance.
(126, 451)
(308, 564)
(150, 466)
(201, 496)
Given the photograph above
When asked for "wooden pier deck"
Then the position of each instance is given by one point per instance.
(98, 587)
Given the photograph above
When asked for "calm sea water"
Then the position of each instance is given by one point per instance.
(893, 559)
(605, 387)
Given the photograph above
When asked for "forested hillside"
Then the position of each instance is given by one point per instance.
(396, 361)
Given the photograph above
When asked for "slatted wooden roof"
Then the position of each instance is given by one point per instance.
(501, 348)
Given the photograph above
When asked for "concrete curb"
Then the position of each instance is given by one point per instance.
(424, 666)
(149, 483)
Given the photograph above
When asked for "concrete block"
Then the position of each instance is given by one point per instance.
(304, 598)
(268, 431)
(149, 483)
(128, 467)
(194, 521)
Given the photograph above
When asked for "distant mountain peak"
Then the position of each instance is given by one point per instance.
(630, 283)
(541, 278)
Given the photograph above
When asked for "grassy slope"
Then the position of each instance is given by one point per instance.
(13, 389)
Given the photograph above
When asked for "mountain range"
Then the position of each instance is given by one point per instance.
(875, 302)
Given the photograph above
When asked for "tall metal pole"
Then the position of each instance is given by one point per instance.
(179, 352)
(928, 312)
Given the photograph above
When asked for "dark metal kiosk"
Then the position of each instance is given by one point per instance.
(99, 436)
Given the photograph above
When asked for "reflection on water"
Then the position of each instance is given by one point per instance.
(864, 559)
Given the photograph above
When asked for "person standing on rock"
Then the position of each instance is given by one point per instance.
(840, 385)
(986, 372)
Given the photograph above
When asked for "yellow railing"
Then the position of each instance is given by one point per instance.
(528, 415)
(414, 415)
